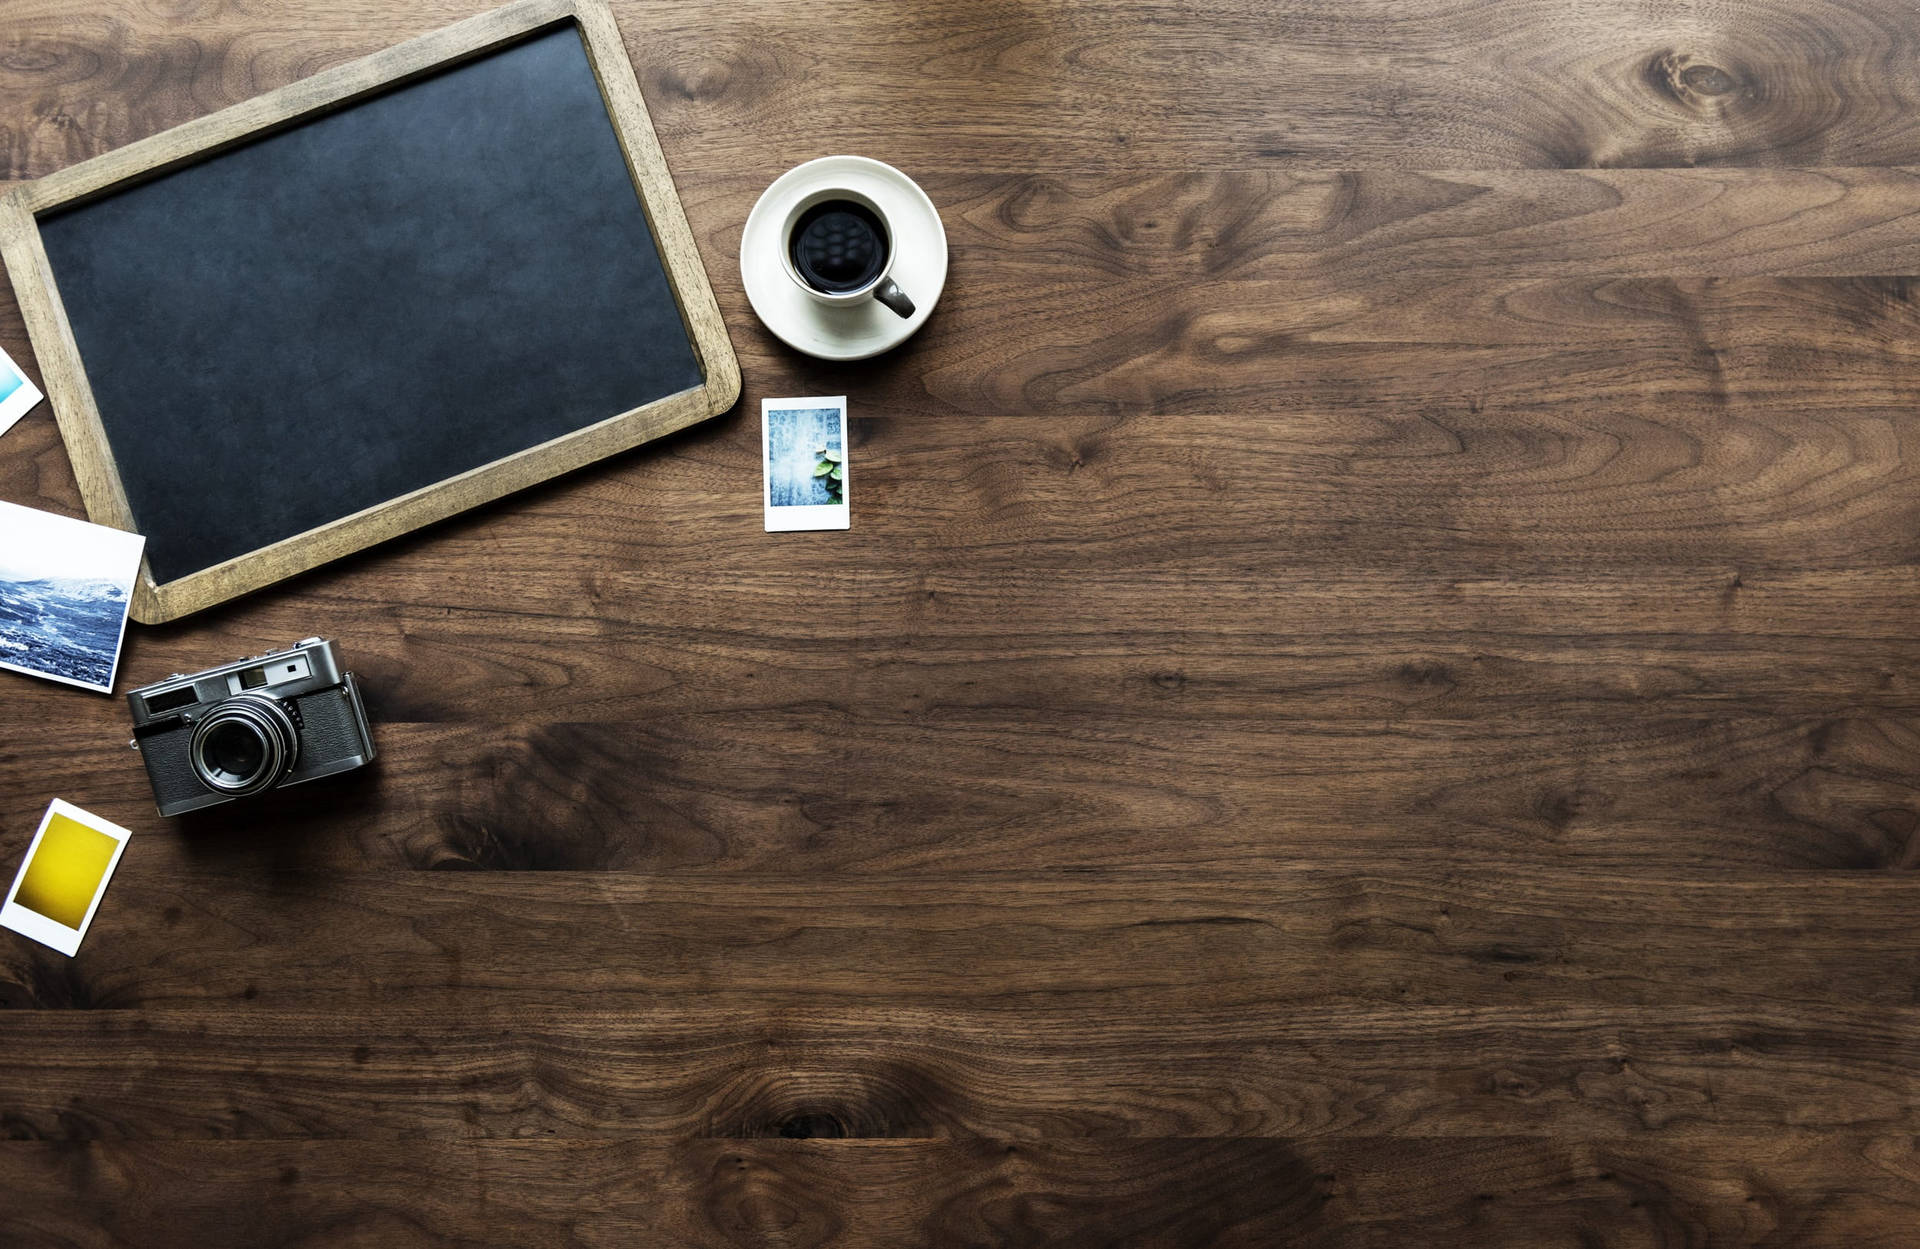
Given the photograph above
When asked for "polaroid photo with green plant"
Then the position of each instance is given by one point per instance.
(803, 444)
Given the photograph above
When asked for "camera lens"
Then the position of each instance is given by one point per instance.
(245, 745)
(235, 749)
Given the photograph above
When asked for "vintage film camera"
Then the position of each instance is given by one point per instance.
(250, 726)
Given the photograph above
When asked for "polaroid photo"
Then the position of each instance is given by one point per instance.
(65, 587)
(66, 869)
(803, 449)
(17, 394)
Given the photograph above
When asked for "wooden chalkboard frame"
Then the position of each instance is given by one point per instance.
(72, 398)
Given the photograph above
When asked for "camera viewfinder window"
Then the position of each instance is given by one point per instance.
(171, 699)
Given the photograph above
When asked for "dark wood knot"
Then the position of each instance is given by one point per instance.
(812, 1126)
(1707, 80)
(1679, 78)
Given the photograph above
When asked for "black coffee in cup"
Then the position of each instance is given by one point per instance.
(838, 245)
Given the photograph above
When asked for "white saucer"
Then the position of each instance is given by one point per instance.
(868, 327)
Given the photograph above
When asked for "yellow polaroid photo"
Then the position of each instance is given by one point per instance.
(59, 884)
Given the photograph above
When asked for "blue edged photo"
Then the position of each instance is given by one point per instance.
(17, 394)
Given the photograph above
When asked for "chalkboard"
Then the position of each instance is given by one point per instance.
(440, 277)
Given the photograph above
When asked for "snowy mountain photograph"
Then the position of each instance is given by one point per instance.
(64, 590)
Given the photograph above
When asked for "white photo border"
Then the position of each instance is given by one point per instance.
(822, 516)
(51, 932)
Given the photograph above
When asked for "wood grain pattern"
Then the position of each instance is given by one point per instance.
(1090, 84)
(1729, 1188)
(906, 1070)
(1159, 941)
(1370, 699)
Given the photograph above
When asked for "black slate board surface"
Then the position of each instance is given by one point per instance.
(368, 303)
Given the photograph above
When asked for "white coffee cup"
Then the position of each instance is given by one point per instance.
(840, 262)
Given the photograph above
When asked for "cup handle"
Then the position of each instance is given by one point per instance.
(890, 294)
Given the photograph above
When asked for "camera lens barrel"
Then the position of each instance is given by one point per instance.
(244, 745)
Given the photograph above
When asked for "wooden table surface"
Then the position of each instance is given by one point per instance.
(1370, 699)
